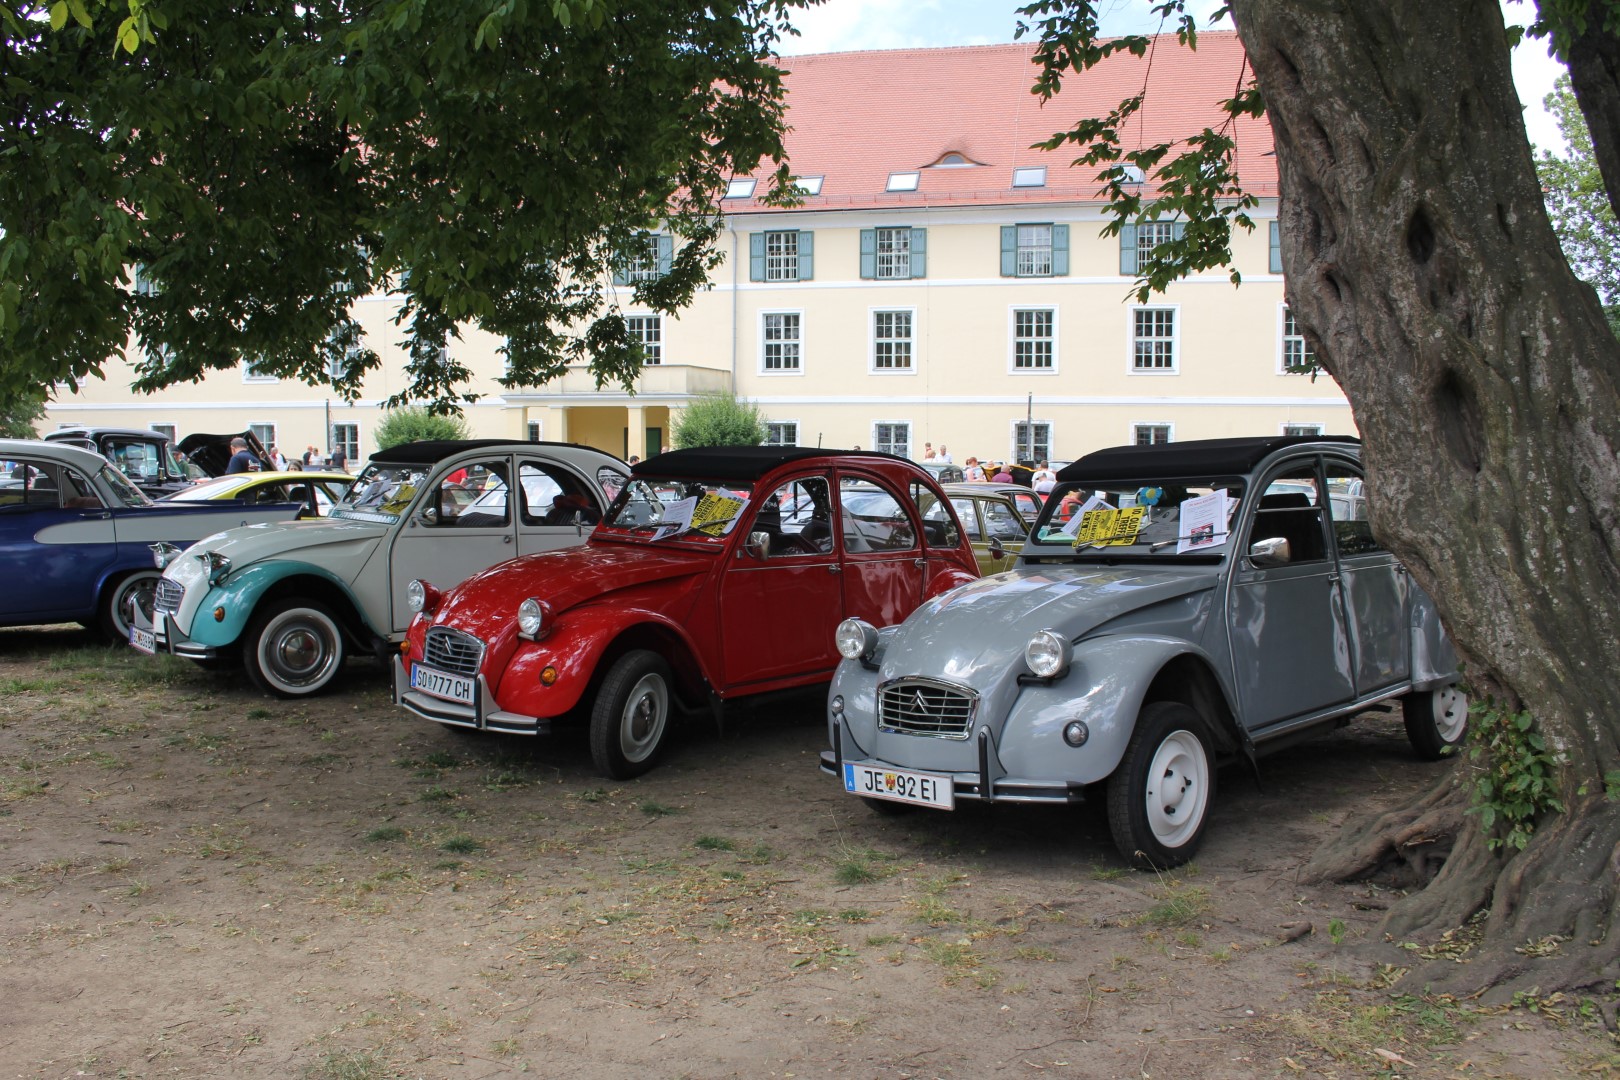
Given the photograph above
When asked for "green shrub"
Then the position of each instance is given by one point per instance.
(414, 424)
(719, 420)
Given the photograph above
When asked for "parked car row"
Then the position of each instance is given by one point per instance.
(1206, 602)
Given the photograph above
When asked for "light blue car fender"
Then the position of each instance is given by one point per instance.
(240, 594)
(1104, 688)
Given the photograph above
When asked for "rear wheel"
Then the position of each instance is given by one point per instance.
(1435, 720)
(121, 600)
(630, 719)
(293, 648)
(1160, 795)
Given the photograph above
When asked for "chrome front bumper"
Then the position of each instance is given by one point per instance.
(167, 639)
(984, 785)
(479, 715)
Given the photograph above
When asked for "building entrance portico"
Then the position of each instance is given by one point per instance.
(572, 409)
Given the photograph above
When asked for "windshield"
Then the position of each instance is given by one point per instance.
(382, 493)
(126, 493)
(145, 461)
(656, 510)
(1157, 520)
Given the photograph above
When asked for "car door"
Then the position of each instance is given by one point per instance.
(461, 522)
(780, 598)
(1003, 523)
(556, 507)
(1290, 648)
(884, 565)
(57, 540)
(1377, 592)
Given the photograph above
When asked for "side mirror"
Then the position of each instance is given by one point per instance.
(758, 544)
(429, 515)
(997, 550)
(1272, 551)
(579, 523)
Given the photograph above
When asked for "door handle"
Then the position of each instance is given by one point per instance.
(507, 539)
(921, 564)
(834, 568)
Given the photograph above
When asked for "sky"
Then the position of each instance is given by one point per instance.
(846, 25)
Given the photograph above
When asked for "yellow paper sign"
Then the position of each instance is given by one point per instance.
(714, 513)
(1110, 528)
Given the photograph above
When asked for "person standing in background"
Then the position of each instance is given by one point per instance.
(944, 454)
(278, 459)
(928, 451)
(338, 462)
(241, 458)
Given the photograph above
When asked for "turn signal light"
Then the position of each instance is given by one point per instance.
(548, 675)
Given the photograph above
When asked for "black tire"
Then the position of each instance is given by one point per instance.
(293, 648)
(887, 807)
(120, 598)
(630, 719)
(1436, 720)
(1160, 796)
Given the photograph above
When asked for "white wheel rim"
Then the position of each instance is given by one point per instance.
(298, 651)
(130, 595)
(641, 725)
(1177, 789)
(1450, 708)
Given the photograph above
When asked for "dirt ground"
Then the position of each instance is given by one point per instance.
(199, 881)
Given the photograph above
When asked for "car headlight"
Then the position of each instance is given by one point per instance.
(163, 554)
(422, 596)
(1048, 653)
(531, 617)
(856, 638)
(218, 566)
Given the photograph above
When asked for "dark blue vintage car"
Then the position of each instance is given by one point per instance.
(76, 536)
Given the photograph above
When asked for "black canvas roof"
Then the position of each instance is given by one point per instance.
(1200, 457)
(736, 462)
(429, 451)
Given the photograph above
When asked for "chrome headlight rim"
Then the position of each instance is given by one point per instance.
(856, 639)
(1048, 654)
(218, 566)
(163, 553)
(416, 595)
(531, 617)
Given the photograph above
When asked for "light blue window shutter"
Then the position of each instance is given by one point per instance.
(621, 275)
(756, 256)
(666, 254)
(1276, 247)
(868, 253)
(919, 253)
(807, 256)
(1127, 250)
(1009, 251)
(1060, 250)
(1178, 229)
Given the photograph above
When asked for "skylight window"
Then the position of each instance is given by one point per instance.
(1032, 177)
(740, 188)
(810, 185)
(952, 160)
(903, 181)
(1133, 174)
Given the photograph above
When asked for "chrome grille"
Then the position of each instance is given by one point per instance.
(168, 596)
(452, 651)
(924, 707)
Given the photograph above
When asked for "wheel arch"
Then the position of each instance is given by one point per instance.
(686, 670)
(1189, 679)
(333, 596)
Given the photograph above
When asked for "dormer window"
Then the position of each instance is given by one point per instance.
(950, 160)
(809, 185)
(740, 188)
(1133, 174)
(1031, 177)
(903, 181)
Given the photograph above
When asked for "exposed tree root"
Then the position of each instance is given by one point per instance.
(1553, 910)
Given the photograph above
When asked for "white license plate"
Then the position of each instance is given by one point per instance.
(442, 684)
(900, 785)
(144, 640)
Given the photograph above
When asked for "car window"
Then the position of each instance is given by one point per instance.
(1129, 519)
(475, 496)
(939, 524)
(1029, 505)
(1002, 522)
(554, 496)
(655, 509)
(796, 518)
(1290, 508)
(969, 517)
(137, 460)
(1347, 509)
(873, 519)
(382, 493)
(126, 493)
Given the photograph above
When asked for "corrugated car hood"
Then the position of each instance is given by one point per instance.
(564, 579)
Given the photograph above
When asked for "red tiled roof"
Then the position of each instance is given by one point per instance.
(856, 117)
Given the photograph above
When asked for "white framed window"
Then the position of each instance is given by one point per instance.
(1031, 177)
(782, 256)
(265, 433)
(892, 437)
(1154, 340)
(643, 262)
(1022, 430)
(1294, 353)
(903, 181)
(648, 332)
(1302, 429)
(251, 373)
(163, 429)
(1034, 251)
(336, 365)
(809, 185)
(781, 342)
(346, 437)
(1033, 341)
(893, 253)
(740, 188)
(1152, 434)
(781, 433)
(535, 431)
(1149, 235)
(893, 342)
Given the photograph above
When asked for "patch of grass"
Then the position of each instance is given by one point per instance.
(855, 872)
(441, 759)
(1106, 873)
(593, 795)
(348, 1065)
(1034, 952)
(259, 712)
(877, 941)
(759, 854)
(505, 781)
(654, 808)
(16, 790)
(854, 915)
(437, 793)
(385, 834)
(461, 845)
(1340, 1025)
(933, 910)
(714, 843)
(959, 960)
(1179, 905)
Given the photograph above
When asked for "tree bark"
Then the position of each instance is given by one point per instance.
(1486, 386)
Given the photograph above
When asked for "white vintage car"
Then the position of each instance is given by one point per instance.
(291, 602)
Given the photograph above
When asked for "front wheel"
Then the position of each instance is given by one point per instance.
(1435, 720)
(121, 600)
(1160, 795)
(292, 649)
(631, 716)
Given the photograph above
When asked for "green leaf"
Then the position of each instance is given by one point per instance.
(81, 14)
(59, 15)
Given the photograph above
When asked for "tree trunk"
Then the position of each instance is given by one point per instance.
(1486, 385)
